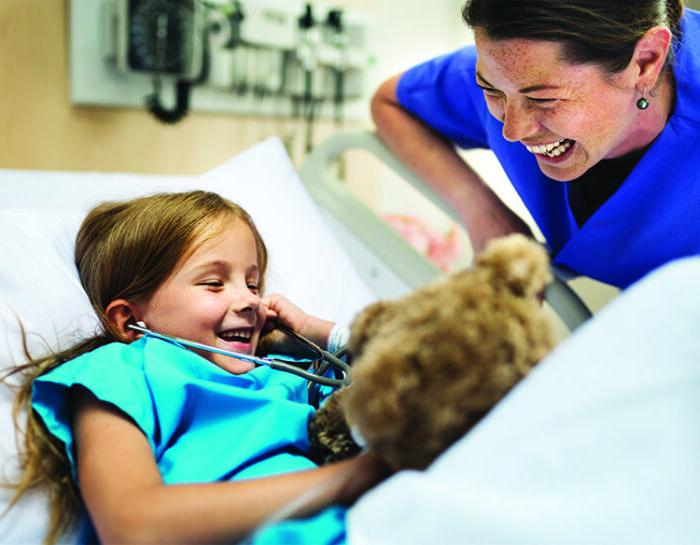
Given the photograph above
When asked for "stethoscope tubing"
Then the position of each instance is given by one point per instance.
(273, 363)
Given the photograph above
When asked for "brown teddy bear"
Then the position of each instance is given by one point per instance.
(428, 366)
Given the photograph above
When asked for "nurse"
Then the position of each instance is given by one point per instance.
(593, 110)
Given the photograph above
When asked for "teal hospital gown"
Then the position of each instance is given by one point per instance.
(203, 423)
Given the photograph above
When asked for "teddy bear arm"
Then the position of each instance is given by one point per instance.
(330, 438)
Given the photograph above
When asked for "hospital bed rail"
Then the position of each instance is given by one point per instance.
(395, 266)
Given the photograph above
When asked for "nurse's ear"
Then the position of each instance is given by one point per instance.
(120, 314)
(649, 55)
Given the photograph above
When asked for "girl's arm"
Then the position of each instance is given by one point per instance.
(129, 503)
(433, 157)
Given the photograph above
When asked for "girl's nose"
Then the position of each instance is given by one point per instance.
(245, 301)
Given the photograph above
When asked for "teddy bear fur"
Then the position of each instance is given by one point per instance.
(428, 366)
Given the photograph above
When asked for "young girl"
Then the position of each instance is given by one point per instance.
(162, 443)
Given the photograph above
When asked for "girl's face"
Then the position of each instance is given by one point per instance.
(569, 116)
(213, 297)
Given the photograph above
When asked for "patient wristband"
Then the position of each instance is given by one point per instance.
(338, 337)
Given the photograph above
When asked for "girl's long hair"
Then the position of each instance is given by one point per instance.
(123, 250)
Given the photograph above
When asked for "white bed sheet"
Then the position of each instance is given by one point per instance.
(599, 444)
(39, 216)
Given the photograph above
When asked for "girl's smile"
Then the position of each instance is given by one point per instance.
(239, 339)
(212, 297)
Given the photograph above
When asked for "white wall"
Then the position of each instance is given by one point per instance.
(409, 31)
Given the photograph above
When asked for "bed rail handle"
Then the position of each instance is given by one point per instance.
(319, 166)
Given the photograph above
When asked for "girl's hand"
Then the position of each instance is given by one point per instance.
(280, 311)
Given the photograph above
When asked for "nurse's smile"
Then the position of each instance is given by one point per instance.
(570, 116)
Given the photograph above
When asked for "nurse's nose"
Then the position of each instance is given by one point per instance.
(519, 121)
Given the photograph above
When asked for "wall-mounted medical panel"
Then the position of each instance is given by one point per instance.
(253, 57)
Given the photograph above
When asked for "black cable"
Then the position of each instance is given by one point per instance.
(306, 22)
(335, 21)
(180, 109)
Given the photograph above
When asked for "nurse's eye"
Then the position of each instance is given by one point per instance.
(542, 101)
(489, 92)
(492, 93)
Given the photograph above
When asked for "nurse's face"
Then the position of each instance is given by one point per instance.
(569, 116)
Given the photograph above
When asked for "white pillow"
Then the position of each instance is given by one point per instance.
(38, 279)
(39, 216)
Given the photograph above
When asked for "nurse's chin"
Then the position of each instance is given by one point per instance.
(562, 172)
(557, 176)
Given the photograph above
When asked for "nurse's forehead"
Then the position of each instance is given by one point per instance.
(532, 72)
(519, 47)
(528, 89)
(520, 54)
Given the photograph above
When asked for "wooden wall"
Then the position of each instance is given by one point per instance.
(42, 130)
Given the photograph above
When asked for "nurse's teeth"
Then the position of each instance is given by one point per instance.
(554, 149)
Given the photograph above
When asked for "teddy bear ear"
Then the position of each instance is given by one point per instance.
(365, 325)
(518, 263)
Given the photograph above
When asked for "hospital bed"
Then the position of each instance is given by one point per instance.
(332, 256)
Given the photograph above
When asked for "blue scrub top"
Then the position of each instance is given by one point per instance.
(650, 220)
(203, 423)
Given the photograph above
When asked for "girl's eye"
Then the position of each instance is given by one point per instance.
(213, 283)
(253, 288)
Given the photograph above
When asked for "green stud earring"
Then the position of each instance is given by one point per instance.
(643, 103)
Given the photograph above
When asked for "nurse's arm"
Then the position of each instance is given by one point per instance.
(433, 157)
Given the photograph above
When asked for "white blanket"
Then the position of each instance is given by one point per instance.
(600, 444)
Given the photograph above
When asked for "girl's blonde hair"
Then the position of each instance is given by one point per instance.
(123, 250)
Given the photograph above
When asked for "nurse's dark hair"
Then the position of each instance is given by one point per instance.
(603, 32)
(124, 250)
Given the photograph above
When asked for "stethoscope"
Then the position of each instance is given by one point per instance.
(321, 362)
